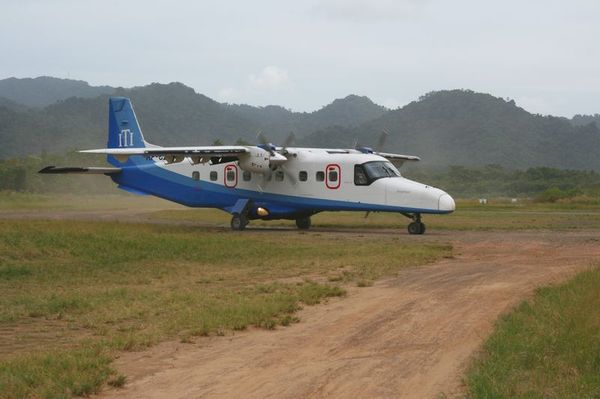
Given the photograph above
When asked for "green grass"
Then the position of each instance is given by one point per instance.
(468, 216)
(499, 214)
(11, 201)
(99, 288)
(548, 347)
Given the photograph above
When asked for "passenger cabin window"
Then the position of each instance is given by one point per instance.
(230, 175)
(196, 175)
(214, 175)
(247, 175)
(368, 172)
(320, 176)
(303, 175)
(279, 175)
(333, 175)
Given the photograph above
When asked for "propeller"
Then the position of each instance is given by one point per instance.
(380, 143)
(277, 160)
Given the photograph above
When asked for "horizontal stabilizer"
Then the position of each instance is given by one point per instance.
(88, 170)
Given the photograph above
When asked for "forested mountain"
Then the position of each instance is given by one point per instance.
(45, 90)
(275, 121)
(460, 127)
(454, 127)
(581, 120)
(171, 114)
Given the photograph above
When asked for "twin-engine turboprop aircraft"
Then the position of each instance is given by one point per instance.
(264, 181)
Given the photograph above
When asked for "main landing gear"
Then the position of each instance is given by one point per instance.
(415, 227)
(239, 222)
(303, 223)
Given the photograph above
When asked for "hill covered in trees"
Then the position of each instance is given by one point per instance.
(461, 127)
(46, 90)
(582, 120)
(453, 127)
(171, 114)
(350, 111)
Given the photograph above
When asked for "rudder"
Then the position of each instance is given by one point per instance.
(123, 128)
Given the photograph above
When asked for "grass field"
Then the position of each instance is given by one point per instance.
(469, 216)
(75, 293)
(497, 215)
(548, 347)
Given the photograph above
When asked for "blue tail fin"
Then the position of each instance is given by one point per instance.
(123, 128)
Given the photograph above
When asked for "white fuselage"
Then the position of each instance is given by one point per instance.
(321, 174)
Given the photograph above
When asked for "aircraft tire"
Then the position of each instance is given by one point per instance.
(416, 228)
(238, 222)
(303, 223)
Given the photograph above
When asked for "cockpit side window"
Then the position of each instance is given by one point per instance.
(368, 172)
(360, 176)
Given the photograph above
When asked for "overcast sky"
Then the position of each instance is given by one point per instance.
(302, 54)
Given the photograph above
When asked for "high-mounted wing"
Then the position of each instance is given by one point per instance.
(397, 157)
(218, 150)
(176, 154)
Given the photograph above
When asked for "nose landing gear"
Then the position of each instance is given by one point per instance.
(415, 227)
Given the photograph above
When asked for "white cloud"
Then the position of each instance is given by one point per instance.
(270, 81)
(228, 95)
(270, 78)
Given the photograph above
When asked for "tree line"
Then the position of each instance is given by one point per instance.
(547, 184)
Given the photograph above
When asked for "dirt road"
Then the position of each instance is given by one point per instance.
(407, 336)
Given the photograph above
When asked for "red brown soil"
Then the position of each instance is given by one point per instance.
(412, 335)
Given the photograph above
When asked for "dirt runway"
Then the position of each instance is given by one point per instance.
(410, 336)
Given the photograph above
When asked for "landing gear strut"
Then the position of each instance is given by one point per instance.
(416, 227)
(239, 222)
(303, 222)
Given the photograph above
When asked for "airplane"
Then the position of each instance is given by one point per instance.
(262, 181)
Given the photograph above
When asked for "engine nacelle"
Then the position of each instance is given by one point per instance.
(256, 161)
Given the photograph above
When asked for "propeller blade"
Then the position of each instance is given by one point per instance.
(260, 137)
(382, 139)
(289, 175)
(290, 139)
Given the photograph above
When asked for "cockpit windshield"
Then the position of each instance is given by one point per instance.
(368, 172)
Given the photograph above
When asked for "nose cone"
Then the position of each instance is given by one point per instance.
(446, 203)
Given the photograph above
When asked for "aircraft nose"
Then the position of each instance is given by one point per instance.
(446, 203)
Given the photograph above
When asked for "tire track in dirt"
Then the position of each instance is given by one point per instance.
(408, 336)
